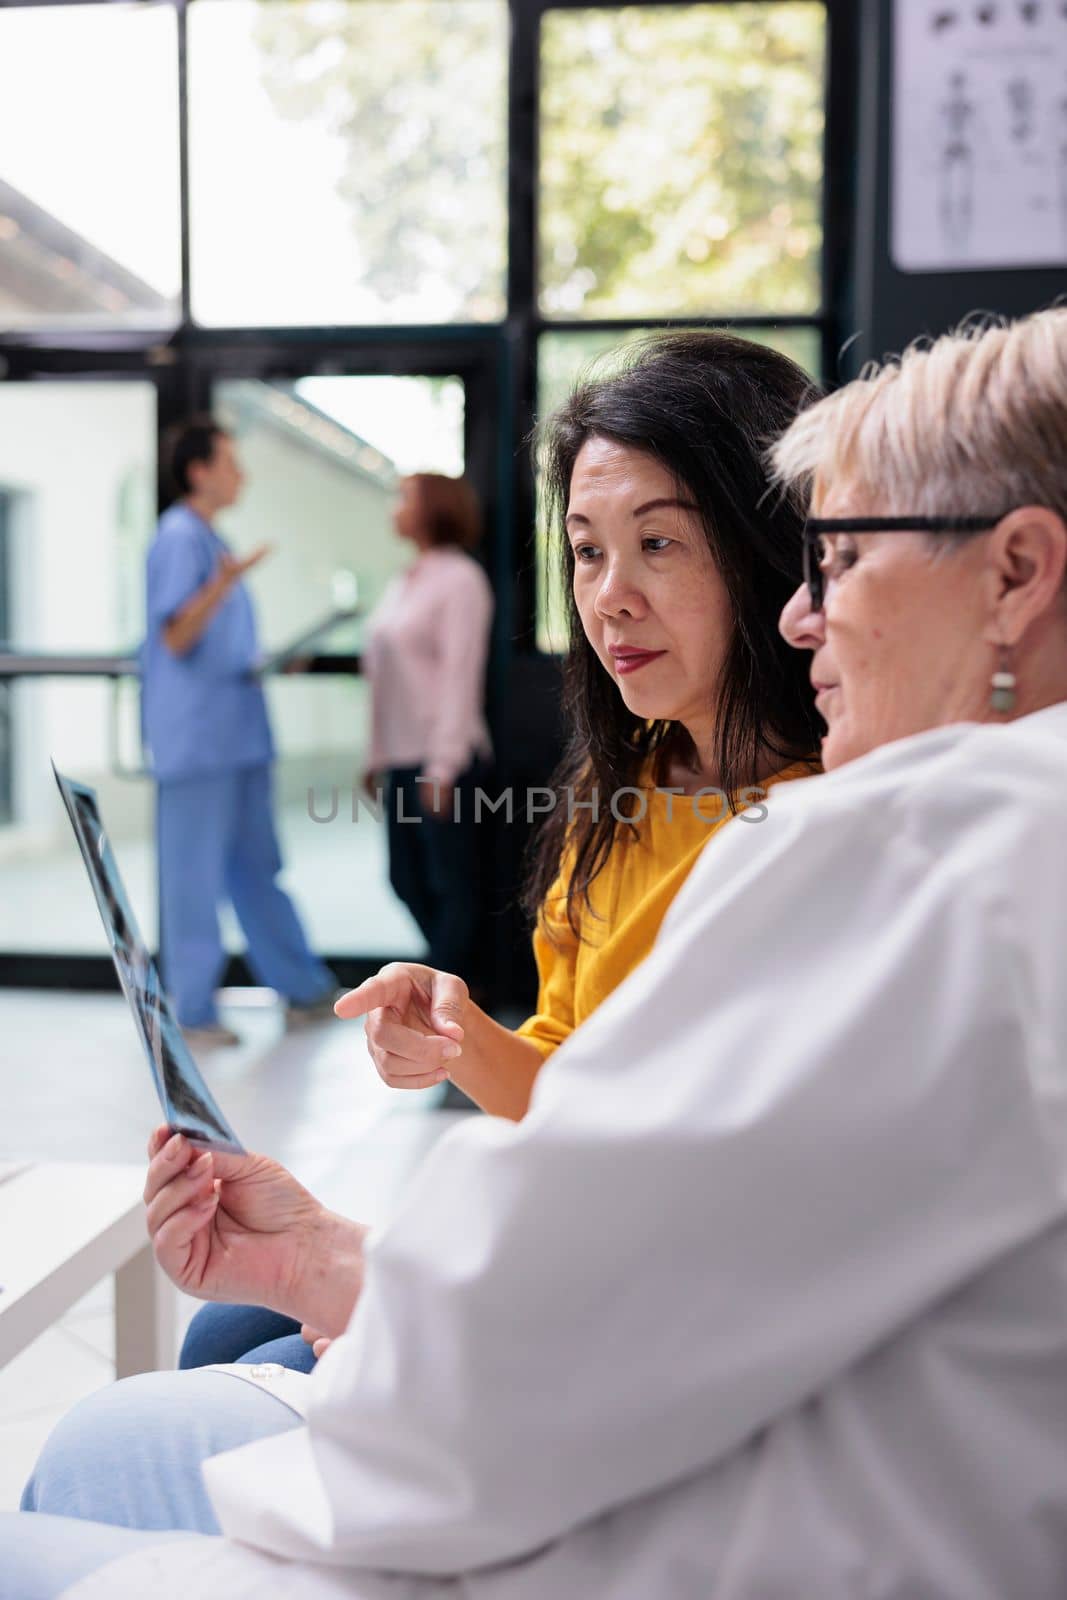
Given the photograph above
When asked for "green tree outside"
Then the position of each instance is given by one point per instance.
(681, 149)
(680, 170)
(418, 90)
(681, 160)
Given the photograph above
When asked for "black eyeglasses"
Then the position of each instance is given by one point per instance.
(815, 527)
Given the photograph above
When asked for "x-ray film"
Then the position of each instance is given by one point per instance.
(188, 1105)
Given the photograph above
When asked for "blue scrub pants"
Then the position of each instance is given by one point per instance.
(217, 842)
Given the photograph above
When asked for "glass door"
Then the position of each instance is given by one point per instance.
(77, 509)
(323, 456)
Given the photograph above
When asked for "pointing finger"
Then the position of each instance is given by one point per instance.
(373, 995)
(392, 986)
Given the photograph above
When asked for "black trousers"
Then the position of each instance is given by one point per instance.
(433, 867)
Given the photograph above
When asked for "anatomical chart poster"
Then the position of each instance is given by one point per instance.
(979, 134)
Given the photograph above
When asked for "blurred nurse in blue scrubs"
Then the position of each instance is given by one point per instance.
(210, 748)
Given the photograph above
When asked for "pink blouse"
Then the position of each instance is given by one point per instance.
(425, 655)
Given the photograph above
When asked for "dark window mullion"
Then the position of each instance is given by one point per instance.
(839, 147)
(766, 319)
(522, 315)
(183, 156)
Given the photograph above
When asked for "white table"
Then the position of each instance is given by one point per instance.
(63, 1227)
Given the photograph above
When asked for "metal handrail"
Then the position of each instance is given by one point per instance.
(78, 664)
(49, 664)
(16, 664)
(68, 664)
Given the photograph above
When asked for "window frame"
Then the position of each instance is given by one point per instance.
(182, 359)
(497, 361)
(525, 319)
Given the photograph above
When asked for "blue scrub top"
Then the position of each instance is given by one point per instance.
(202, 712)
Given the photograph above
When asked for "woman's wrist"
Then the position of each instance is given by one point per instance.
(331, 1275)
(497, 1067)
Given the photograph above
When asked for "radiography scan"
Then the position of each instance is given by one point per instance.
(188, 1105)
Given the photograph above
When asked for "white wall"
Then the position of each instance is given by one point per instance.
(80, 458)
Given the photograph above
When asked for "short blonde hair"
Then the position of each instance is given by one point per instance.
(973, 423)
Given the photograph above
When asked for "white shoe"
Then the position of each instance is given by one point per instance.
(212, 1036)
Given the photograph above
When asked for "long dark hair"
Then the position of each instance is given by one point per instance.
(706, 406)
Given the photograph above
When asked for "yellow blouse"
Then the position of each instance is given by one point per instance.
(629, 900)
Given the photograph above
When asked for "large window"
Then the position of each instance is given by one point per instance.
(89, 213)
(680, 182)
(681, 160)
(348, 161)
(377, 236)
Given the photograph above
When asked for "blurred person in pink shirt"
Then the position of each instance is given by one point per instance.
(425, 657)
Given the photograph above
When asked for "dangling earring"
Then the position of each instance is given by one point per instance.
(1002, 698)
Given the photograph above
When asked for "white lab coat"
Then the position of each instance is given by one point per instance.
(767, 1296)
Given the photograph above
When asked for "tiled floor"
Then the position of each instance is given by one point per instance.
(74, 1087)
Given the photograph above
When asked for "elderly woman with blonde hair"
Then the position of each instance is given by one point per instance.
(767, 1294)
(940, 486)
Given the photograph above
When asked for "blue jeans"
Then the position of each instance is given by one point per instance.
(129, 1457)
(217, 841)
(246, 1334)
(40, 1557)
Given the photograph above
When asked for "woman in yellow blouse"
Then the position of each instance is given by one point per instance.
(684, 702)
